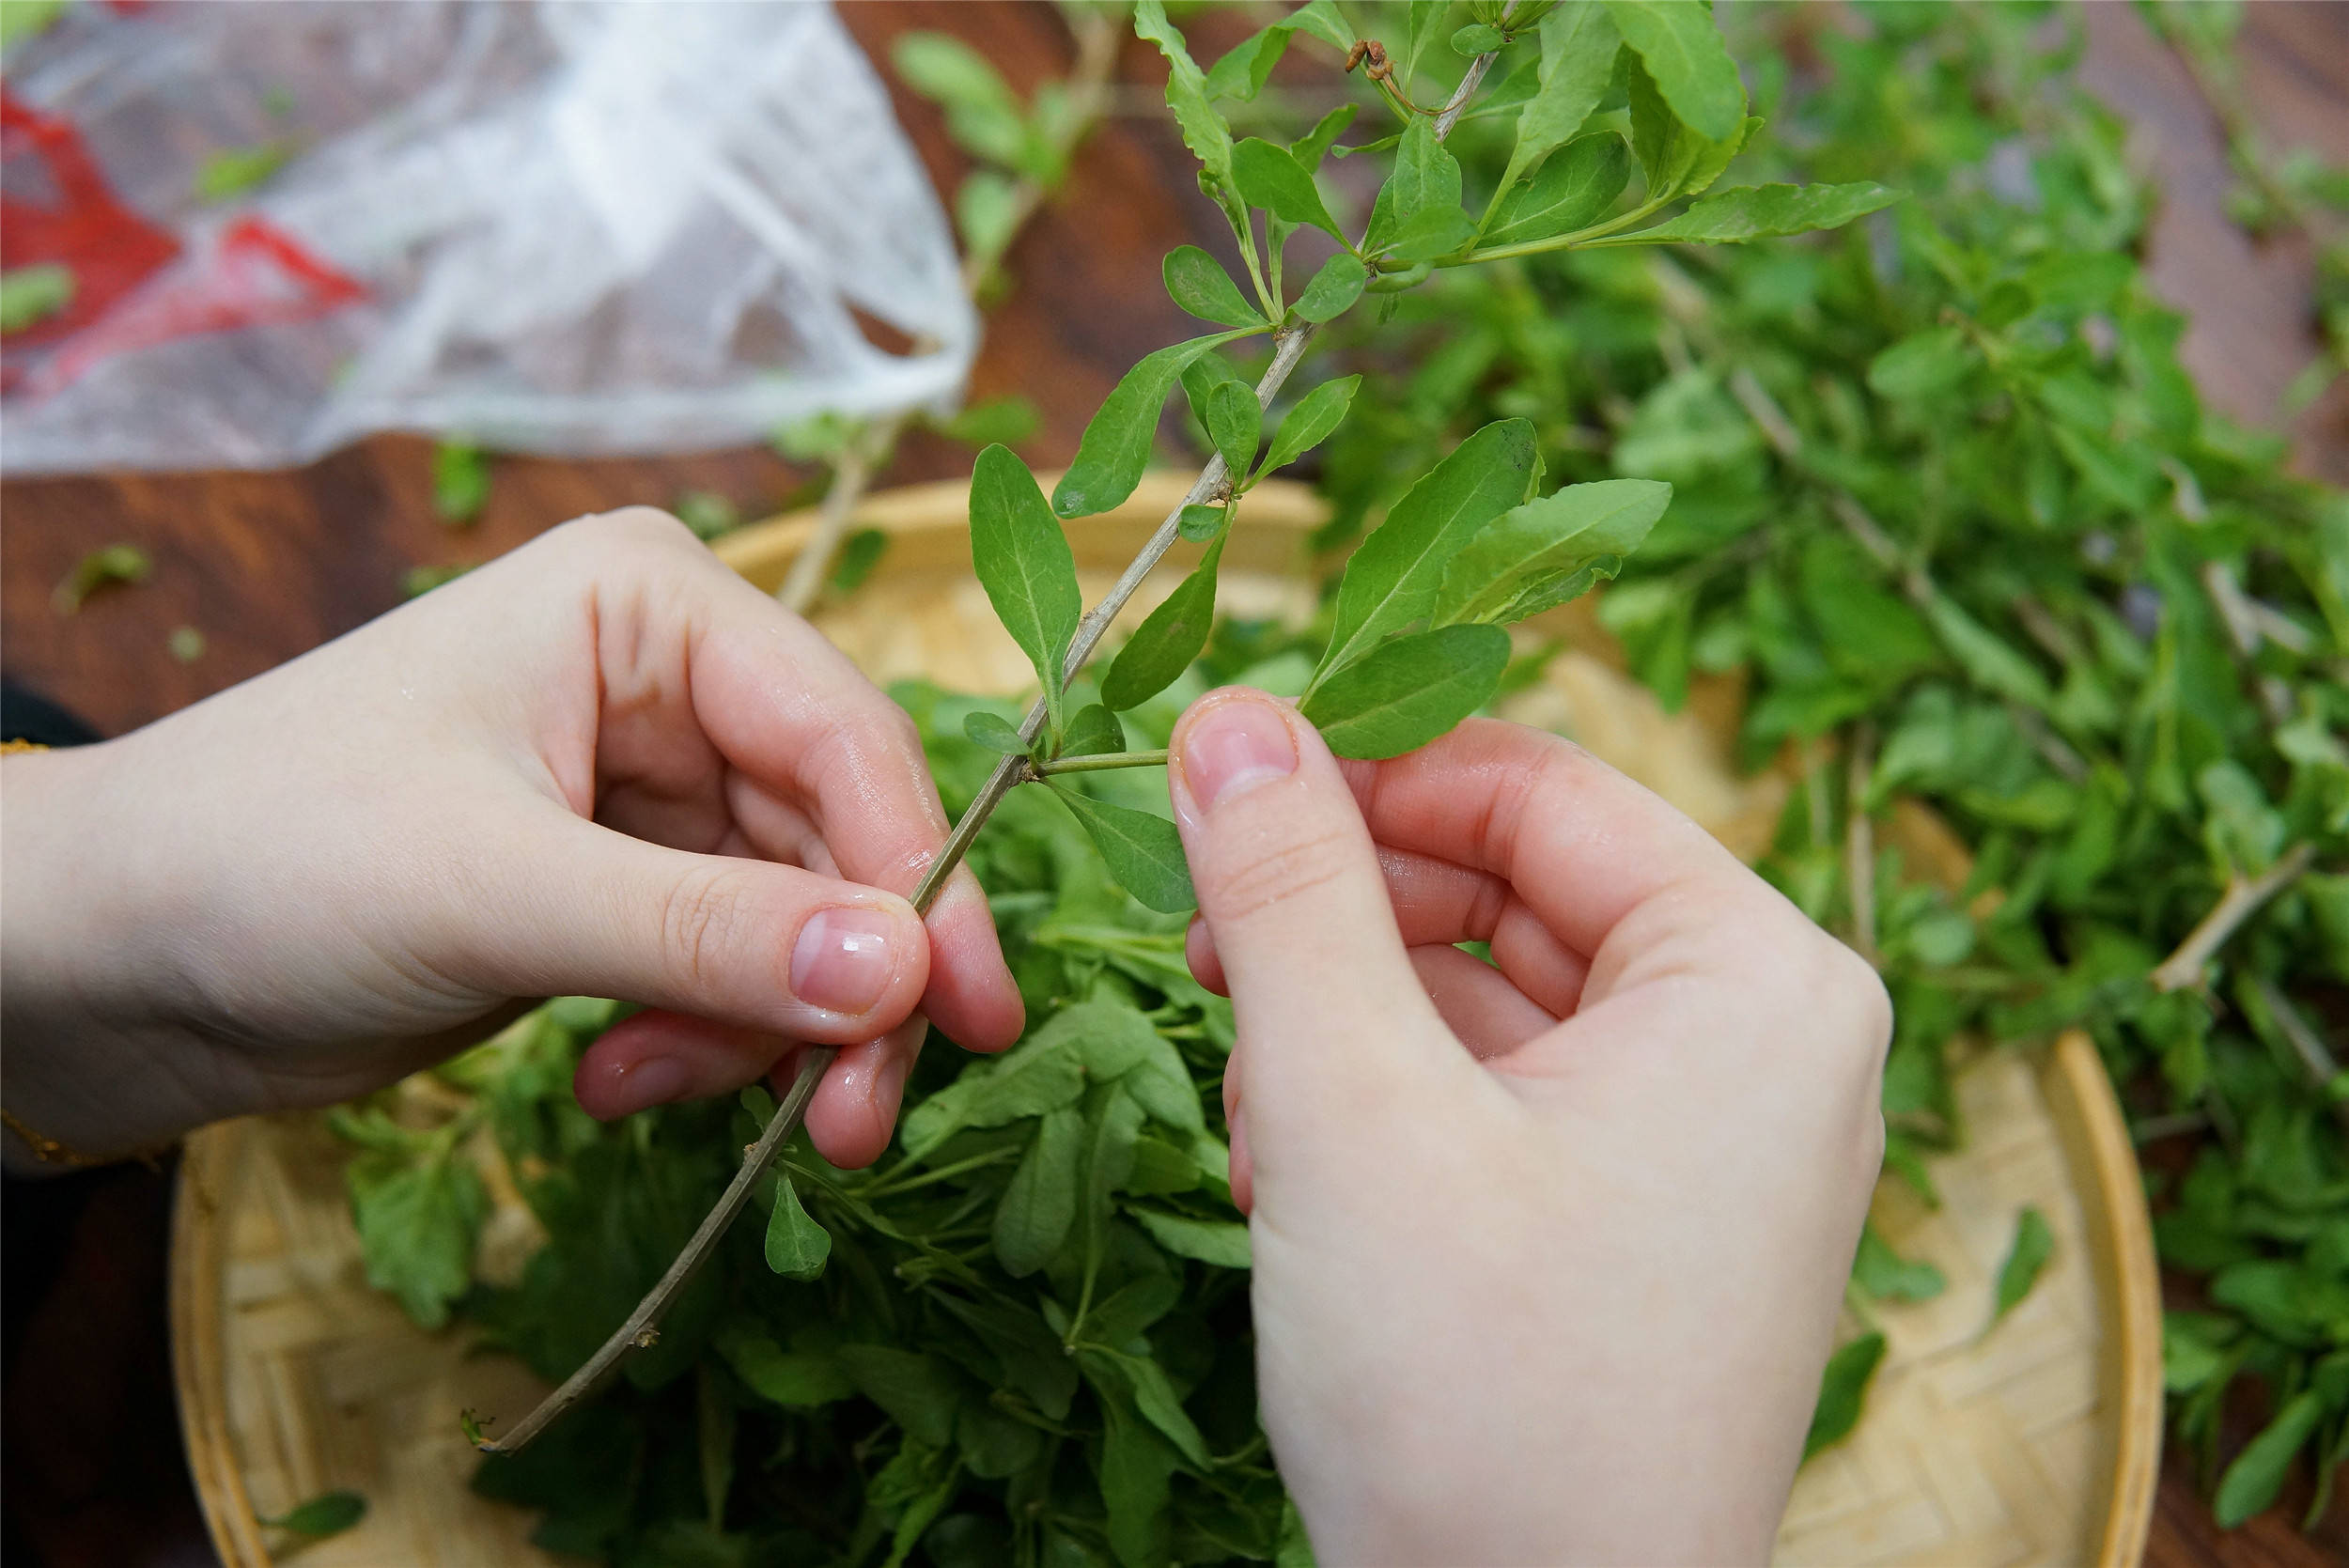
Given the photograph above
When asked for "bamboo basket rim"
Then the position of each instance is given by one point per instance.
(929, 535)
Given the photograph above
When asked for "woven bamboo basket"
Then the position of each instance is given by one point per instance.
(2035, 1443)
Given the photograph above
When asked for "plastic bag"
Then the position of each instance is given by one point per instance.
(561, 227)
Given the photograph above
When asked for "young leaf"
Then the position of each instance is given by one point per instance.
(994, 732)
(1477, 39)
(2034, 1243)
(1233, 419)
(1200, 524)
(1023, 562)
(1841, 1389)
(1760, 211)
(1173, 635)
(1215, 1241)
(1426, 178)
(327, 1513)
(1406, 693)
(460, 481)
(34, 294)
(1573, 190)
(1392, 579)
(1546, 551)
(1270, 176)
(982, 115)
(1309, 149)
(1094, 732)
(1243, 72)
(1333, 289)
(1886, 1276)
(1040, 1204)
(1429, 234)
(108, 563)
(1144, 852)
(1683, 51)
(797, 1245)
(1577, 61)
(232, 171)
(1203, 130)
(860, 553)
(1309, 423)
(1195, 282)
(1116, 443)
(2258, 1472)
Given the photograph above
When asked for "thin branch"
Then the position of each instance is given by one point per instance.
(2323, 1068)
(2239, 903)
(849, 477)
(1213, 481)
(1101, 762)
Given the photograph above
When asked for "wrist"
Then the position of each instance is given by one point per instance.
(93, 1062)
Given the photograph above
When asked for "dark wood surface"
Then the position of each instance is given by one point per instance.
(267, 565)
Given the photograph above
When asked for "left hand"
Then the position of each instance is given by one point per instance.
(601, 765)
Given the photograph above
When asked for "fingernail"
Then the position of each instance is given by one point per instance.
(655, 1081)
(1233, 746)
(842, 960)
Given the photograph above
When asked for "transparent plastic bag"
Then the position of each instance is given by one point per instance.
(563, 226)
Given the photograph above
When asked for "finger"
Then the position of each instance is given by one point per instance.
(1436, 901)
(854, 1111)
(658, 1057)
(574, 909)
(785, 708)
(1243, 1164)
(1477, 1002)
(1579, 843)
(1290, 889)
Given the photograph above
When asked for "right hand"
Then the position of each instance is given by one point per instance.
(1548, 1255)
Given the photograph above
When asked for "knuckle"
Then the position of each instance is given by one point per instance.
(702, 918)
(1264, 880)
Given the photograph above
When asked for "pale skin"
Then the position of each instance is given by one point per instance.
(1548, 1255)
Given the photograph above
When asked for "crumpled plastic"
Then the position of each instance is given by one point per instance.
(566, 228)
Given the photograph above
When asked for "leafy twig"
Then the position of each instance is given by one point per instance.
(2240, 902)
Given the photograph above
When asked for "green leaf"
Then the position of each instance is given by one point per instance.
(460, 481)
(33, 294)
(945, 69)
(994, 732)
(1154, 1397)
(2034, 1244)
(1168, 640)
(1429, 234)
(1313, 145)
(1234, 421)
(1922, 364)
(1007, 420)
(1040, 1073)
(1842, 1389)
(1886, 1276)
(327, 1513)
(2257, 1475)
(1573, 190)
(1219, 1242)
(1136, 1467)
(1682, 50)
(1144, 852)
(1092, 732)
(1203, 130)
(417, 1225)
(797, 1245)
(1477, 39)
(1394, 578)
(1333, 289)
(232, 171)
(1201, 524)
(1406, 693)
(987, 211)
(800, 1379)
(1546, 551)
(1160, 1083)
(1115, 447)
(1426, 178)
(1023, 562)
(917, 1391)
(860, 553)
(1309, 423)
(1200, 286)
(1989, 660)
(1032, 1223)
(1578, 45)
(1760, 211)
(1269, 176)
(1243, 72)
(107, 565)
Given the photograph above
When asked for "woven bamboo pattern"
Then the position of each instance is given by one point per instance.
(2034, 1443)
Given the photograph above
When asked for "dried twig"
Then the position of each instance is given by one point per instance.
(2239, 903)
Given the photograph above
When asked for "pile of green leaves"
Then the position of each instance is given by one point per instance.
(1940, 489)
(1947, 504)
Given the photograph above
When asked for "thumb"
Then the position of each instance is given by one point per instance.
(750, 943)
(1335, 1021)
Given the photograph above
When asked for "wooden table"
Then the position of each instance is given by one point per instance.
(267, 565)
